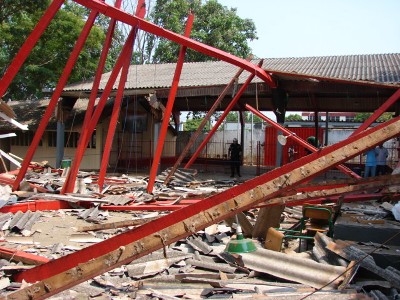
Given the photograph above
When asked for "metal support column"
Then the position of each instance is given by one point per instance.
(168, 108)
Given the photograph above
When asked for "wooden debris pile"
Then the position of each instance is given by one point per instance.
(199, 267)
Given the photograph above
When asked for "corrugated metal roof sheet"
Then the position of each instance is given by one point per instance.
(382, 68)
(379, 68)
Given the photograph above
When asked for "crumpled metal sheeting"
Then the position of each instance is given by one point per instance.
(293, 268)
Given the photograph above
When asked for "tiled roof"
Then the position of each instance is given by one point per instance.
(378, 68)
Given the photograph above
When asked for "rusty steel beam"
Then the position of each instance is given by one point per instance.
(94, 260)
(147, 26)
(168, 108)
(203, 123)
(299, 140)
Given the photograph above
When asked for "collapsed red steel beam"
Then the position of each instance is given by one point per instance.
(140, 11)
(147, 26)
(94, 260)
(221, 118)
(96, 81)
(168, 109)
(69, 185)
(54, 99)
(299, 140)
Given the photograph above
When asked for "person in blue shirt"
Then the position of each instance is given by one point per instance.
(381, 155)
(370, 163)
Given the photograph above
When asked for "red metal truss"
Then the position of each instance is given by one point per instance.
(201, 126)
(168, 109)
(17, 255)
(91, 261)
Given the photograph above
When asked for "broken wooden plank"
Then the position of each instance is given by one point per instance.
(115, 225)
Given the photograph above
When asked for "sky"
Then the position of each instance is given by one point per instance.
(301, 28)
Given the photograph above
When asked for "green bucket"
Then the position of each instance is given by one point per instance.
(65, 163)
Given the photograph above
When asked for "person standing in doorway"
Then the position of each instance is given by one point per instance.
(235, 156)
(370, 163)
(381, 156)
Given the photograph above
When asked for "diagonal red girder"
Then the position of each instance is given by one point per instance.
(140, 11)
(168, 109)
(147, 26)
(56, 95)
(28, 45)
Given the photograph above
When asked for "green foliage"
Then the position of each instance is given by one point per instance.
(295, 117)
(193, 124)
(214, 25)
(46, 62)
(361, 117)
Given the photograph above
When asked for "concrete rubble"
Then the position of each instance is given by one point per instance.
(197, 267)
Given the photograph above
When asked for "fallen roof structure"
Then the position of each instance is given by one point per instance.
(72, 269)
(271, 188)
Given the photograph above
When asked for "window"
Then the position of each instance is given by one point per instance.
(70, 139)
(23, 138)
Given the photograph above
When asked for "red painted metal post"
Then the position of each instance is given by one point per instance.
(69, 185)
(221, 119)
(389, 102)
(28, 45)
(117, 106)
(56, 95)
(96, 83)
(299, 140)
(168, 109)
(142, 24)
(99, 71)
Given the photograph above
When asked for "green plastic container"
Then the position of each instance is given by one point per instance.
(65, 163)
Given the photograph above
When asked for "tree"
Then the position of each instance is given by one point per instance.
(214, 25)
(361, 117)
(193, 124)
(45, 64)
(295, 117)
